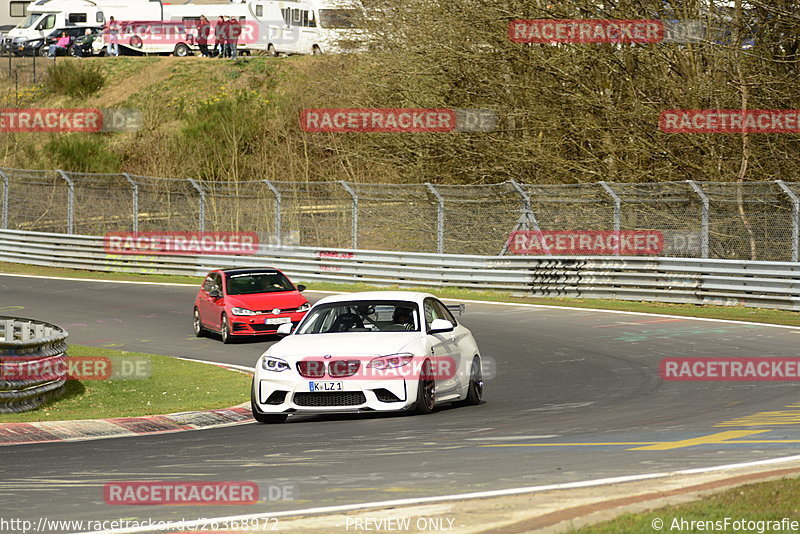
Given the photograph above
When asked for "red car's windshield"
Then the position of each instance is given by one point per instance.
(261, 282)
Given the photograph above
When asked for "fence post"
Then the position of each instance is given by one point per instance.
(617, 211)
(4, 208)
(704, 199)
(795, 217)
(201, 203)
(439, 218)
(527, 217)
(70, 201)
(135, 192)
(354, 224)
(278, 230)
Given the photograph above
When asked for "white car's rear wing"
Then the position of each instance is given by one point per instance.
(457, 308)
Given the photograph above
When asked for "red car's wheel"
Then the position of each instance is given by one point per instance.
(225, 329)
(197, 325)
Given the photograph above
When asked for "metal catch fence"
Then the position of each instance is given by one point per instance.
(722, 220)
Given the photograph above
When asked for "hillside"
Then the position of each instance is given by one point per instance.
(571, 113)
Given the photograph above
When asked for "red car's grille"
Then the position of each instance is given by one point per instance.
(343, 368)
(311, 368)
(282, 310)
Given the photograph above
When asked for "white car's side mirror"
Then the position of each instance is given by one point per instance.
(285, 329)
(440, 325)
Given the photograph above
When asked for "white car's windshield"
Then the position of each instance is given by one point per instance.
(362, 316)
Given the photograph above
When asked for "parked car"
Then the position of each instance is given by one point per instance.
(41, 45)
(248, 302)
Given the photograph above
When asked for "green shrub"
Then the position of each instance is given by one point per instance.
(77, 79)
(82, 153)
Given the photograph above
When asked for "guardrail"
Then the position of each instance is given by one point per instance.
(25, 345)
(682, 280)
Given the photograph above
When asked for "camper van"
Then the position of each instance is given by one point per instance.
(189, 16)
(45, 15)
(12, 12)
(307, 26)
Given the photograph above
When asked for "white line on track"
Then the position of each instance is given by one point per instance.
(183, 525)
(220, 364)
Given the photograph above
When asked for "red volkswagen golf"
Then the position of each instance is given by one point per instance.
(247, 302)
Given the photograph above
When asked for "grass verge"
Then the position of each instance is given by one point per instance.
(763, 501)
(174, 386)
(734, 313)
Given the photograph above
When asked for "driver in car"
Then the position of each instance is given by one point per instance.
(403, 317)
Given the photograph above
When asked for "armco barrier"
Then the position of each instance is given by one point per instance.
(35, 343)
(683, 280)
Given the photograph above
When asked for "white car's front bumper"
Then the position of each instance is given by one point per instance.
(292, 395)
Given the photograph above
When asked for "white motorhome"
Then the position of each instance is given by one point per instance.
(46, 15)
(307, 26)
(12, 12)
(189, 13)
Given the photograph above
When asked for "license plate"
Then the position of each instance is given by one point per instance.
(325, 386)
(278, 320)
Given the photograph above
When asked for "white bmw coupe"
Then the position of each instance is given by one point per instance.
(375, 351)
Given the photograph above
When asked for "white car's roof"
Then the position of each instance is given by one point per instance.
(411, 296)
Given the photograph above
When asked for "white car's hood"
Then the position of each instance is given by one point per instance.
(345, 344)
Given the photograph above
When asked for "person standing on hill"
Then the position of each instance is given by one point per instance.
(112, 33)
(219, 37)
(226, 34)
(234, 32)
(203, 31)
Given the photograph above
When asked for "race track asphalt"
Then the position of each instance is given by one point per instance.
(583, 383)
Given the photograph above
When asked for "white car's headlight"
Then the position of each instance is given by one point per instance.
(276, 365)
(242, 311)
(391, 360)
(304, 307)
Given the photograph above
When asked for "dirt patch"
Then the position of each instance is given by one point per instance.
(118, 90)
